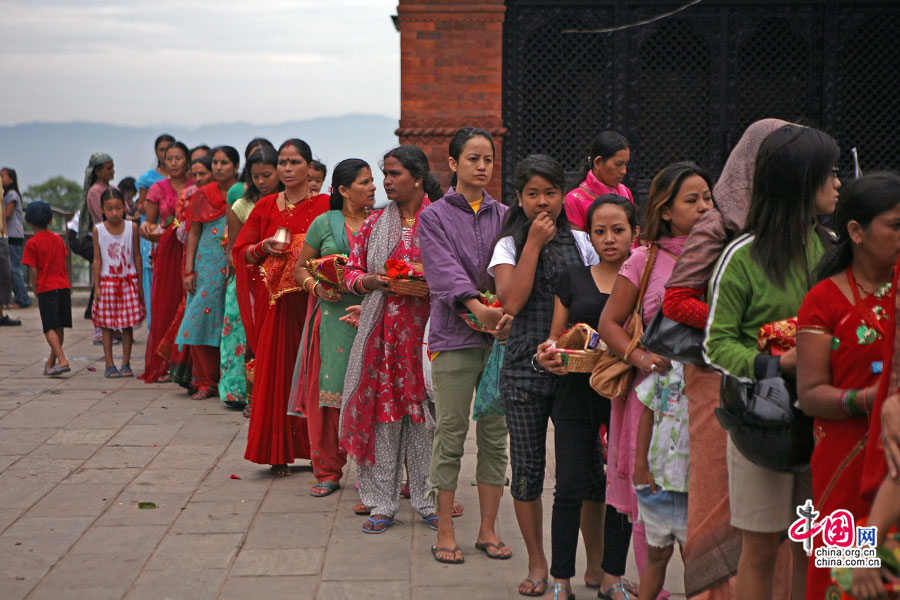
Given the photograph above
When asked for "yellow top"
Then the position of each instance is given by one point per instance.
(475, 205)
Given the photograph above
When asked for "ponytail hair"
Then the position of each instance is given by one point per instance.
(605, 146)
(861, 200)
(414, 160)
(345, 173)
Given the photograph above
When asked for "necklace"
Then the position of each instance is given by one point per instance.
(410, 222)
(289, 204)
(354, 217)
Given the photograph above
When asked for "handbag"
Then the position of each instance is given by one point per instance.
(612, 376)
(673, 340)
(763, 423)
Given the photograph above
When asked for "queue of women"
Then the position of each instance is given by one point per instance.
(329, 362)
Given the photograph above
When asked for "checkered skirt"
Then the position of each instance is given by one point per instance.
(119, 305)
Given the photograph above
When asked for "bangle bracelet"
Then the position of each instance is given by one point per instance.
(303, 285)
(641, 364)
(186, 273)
(312, 290)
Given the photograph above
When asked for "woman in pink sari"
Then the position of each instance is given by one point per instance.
(166, 258)
(679, 196)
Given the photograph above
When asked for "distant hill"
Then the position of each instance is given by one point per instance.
(39, 151)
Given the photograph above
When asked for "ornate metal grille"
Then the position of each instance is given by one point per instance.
(686, 87)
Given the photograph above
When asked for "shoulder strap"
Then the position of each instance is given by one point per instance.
(639, 305)
(645, 276)
(585, 189)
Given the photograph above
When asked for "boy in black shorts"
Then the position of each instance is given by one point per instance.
(45, 255)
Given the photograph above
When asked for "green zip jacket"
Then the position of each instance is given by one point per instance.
(743, 299)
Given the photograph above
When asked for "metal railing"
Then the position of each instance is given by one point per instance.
(66, 217)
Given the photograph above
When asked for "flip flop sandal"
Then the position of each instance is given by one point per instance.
(57, 371)
(375, 523)
(566, 592)
(615, 589)
(456, 514)
(432, 521)
(126, 371)
(497, 547)
(330, 487)
(112, 372)
(447, 561)
(361, 509)
(534, 586)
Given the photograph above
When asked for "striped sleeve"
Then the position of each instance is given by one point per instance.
(730, 292)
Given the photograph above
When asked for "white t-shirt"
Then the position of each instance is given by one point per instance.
(505, 251)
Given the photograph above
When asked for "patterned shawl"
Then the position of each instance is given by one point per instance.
(382, 244)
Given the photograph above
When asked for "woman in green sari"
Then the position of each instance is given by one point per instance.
(322, 361)
(234, 390)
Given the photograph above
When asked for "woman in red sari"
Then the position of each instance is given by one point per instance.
(180, 365)
(166, 258)
(841, 331)
(273, 307)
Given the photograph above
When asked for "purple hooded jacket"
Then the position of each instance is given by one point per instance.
(457, 245)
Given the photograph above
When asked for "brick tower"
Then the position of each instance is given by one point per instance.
(451, 61)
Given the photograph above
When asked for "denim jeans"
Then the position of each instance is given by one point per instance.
(16, 249)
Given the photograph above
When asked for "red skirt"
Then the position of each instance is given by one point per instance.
(119, 305)
(275, 438)
(165, 296)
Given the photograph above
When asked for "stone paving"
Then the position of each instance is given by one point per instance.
(79, 455)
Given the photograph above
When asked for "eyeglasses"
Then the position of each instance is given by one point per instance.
(835, 172)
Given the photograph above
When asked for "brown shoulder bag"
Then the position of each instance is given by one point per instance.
(612, 376)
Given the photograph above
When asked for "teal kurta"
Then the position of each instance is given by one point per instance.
(204, 309)
(328, 235)
(232, 366)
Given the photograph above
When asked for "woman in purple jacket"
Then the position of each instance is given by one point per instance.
(457, 235)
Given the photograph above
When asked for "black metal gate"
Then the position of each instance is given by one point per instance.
(685, 87)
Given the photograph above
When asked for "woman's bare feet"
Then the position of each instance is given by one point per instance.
(281, 470)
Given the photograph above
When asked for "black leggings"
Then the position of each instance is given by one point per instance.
(580, 475)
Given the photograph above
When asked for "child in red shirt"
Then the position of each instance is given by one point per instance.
(45, 254)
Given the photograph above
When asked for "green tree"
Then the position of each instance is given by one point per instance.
(58, 192)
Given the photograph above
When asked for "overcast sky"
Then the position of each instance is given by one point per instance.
(192, 62)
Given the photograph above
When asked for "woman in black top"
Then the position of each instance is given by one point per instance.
(578, 412)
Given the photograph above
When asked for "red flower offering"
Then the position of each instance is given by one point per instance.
(405, 278)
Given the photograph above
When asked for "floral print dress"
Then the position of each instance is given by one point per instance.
(205, 308)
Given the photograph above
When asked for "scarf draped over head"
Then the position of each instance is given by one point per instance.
(711, 233)
(85, 222)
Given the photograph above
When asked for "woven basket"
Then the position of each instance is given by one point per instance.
(408, 287)
(473, 322)
(579, 361)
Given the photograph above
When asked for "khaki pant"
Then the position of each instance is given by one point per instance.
(456, 374)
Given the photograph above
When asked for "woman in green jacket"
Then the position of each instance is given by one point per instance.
(762, 278)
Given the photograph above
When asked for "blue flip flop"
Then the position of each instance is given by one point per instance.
(431, 521)
(330, 487)
(112, 372)
(375, 523)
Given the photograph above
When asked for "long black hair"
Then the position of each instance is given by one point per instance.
(160, 139)
(663, 190)
(605, 145)
(458, 142)
(516, 224)
(15, 180)
(414, 160)
(252, 146)
(862, 200)
(345, 173)
(792, 165)
(263, 155)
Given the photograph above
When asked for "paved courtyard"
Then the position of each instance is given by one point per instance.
(80, 457)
